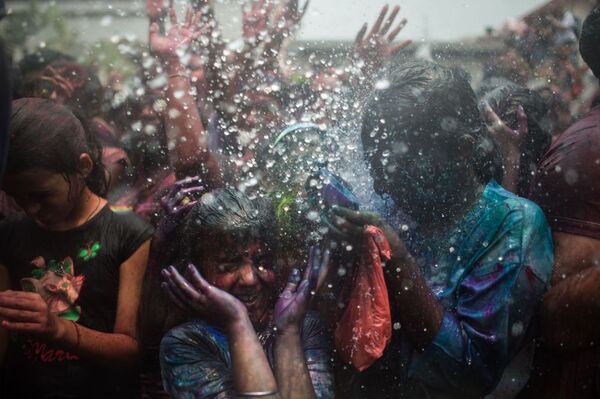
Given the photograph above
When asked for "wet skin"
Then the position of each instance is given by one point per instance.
(244, 271)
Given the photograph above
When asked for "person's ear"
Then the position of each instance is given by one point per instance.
(86, 164)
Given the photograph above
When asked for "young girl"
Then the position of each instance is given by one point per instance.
(70, 270)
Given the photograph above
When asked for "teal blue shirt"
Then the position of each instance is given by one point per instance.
(490, 277)
(490, 273)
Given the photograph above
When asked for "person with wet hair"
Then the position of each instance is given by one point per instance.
(226, 332)
(465, 285)
(70, 269)
(521, 153)
(567, 187)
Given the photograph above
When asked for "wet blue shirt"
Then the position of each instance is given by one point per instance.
(490, 273)
(196, 363)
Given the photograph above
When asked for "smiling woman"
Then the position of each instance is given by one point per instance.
(239, 337)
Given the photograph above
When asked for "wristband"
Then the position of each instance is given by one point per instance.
(257, 394)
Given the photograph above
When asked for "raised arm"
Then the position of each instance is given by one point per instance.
(465, 348)
(4, 285)
(189, 154)
(371, 50)
(509, 141)
(295, 377)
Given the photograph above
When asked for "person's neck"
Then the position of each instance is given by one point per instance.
(88, 205)
(450, 212)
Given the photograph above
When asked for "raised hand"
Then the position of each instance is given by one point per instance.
(200, 299)
(349, 225)
(255, 19)
(182, 196)
(156, 9)
(507, 138)
(294, 301)
(377, 46)
(509, 141)
(288, 18)
(171, 46)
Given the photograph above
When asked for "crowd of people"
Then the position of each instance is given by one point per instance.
(227, 224)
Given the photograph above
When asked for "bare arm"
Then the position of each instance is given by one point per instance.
(291, 371)
(422, 313)
(509, 143)
(4, 285)
(27, 312)
(183, 124)
(291, 368)
(251, 370)
(569, 312)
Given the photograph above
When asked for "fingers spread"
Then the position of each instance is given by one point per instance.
(398, 29)
(388, 23)
(188, 17)
(174, 297)
(377, 26)
(361, 34)
(173, 16)
(197, 19)
(292, 284)
(180, 283)
(304, 10)
(199, 282)
(400, 47)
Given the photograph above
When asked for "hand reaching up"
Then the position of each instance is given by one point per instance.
(288, 18)
(172, 45)
(377, 46)
(255, 19)
(294, 301)
(156, 9)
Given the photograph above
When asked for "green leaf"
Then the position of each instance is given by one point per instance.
(68, 265)
(71, 314)
(38, 273)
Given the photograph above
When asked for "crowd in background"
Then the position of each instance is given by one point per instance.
(226, 223)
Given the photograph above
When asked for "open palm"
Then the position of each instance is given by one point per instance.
(173, 44)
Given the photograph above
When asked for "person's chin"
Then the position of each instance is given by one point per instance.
(45, 222)
(258, 311)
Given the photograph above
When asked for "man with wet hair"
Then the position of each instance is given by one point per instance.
(568, 189)
(466, 282)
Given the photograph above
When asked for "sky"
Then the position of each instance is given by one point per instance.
(439, 20)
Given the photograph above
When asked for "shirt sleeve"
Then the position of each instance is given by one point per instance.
(133, 232)
(496, 302)
(195, 363)
(317, 352)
